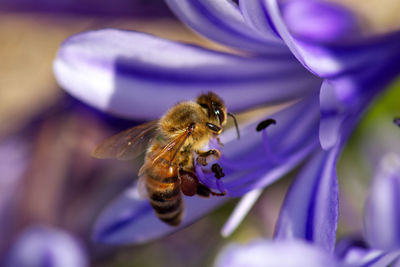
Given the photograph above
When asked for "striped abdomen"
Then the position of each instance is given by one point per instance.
(163, 189)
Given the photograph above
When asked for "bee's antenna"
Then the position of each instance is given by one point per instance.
(236, 124)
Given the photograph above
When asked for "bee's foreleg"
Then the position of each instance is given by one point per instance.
(219, 142)
(205, 191)
(204, 157)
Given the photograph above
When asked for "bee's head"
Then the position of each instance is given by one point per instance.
(214, 107)
(216, 110)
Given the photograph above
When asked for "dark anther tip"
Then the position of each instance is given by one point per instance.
(217, 170)
(397, 121)
(264, 124)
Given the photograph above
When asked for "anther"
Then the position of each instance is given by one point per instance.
(264, 124)
(217, 170)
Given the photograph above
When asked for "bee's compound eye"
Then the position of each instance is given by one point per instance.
(221, 116)
(204, 106)
(214, 127)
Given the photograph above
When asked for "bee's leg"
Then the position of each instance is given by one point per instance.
(189, 182)
(203, 156)
(204, 191)
(190, 185)
(219, 142)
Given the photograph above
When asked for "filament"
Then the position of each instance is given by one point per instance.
(236, 124)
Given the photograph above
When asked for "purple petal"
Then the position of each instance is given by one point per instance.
(240, 211)
(246, 162)
(331, 60)
(256, 16)
(130, 219)
(397, 121)
(345, 98)
(352, 246)
(317, 21)
(310, 210)
(396, 263)
(374, 258)
(141, 76)
(358, 68)
(42, 246)
(221, 21)
(265, 253)
(353, 251)
(332, 115)
(369, 257)
(382, 218)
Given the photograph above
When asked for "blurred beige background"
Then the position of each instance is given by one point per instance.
(29, 42)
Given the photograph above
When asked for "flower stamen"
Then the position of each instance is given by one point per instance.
(273, 158)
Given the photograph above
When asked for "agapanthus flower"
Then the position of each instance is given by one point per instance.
(314, 50)
(379, 247)
(40, 246)
(383, 211)
(266, 253)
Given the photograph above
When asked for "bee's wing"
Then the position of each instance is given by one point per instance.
(141, 187)
(128, 144)
(169, 151)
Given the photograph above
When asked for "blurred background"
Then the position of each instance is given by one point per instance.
(48, 178)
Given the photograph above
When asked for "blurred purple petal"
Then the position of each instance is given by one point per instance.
(310, 210)
(240, 211)
(351, 244)
(396, 121)
(332, 60)
(376, 258)
(332, 115)
(130, 219)
(317, 21)
(353, 251)
(265, 253)
(122, 71)
(42, 246)
(369, 258)
(221, 21)
(348, 96)
(396, 263)
(382, 218)
(256, 16)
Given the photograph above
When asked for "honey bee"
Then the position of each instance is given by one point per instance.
(171, 144)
